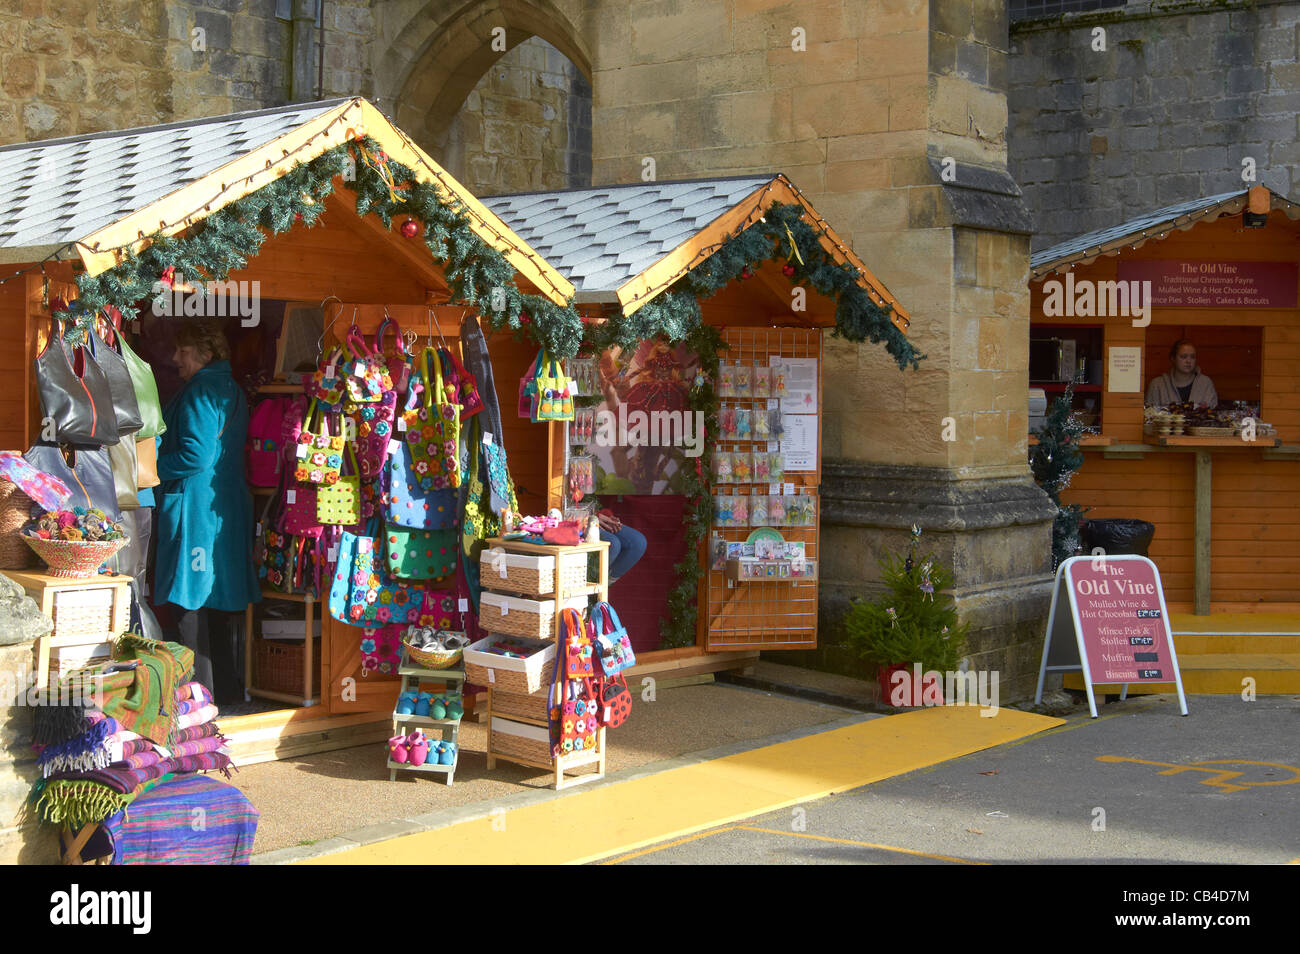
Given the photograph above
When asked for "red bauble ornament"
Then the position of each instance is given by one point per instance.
(298, 217)
(787, 270)
(746, 273)
(410, 228)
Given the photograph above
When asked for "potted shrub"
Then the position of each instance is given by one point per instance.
(914, 621)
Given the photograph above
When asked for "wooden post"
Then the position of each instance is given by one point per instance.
(307, 660)
(248, 649)
(1202, 539)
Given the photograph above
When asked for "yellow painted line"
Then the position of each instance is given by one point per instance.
(865, 844)
(596, 823)
(672, 844)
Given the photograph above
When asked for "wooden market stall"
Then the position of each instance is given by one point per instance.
(1223, 273)
(111, 192)
(626, 248)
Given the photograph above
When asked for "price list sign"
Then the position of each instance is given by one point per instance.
(1115, 607)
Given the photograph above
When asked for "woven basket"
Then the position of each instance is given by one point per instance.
(433, 658)
(521, 676)
(534, 705)
(74, 559)
(515, 744)
(83, 612)
(277, 665)
(530, 619)
(15, 508)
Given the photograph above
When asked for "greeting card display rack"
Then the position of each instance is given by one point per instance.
(563, 591)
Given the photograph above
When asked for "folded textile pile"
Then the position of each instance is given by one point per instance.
(106, 762)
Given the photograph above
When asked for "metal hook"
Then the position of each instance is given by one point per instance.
(433, 322)
(320, 343)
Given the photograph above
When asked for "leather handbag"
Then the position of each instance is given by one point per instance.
(146, 466)
(420, 554)
(89, 475)
(74, 393)
(122, 459)
(126, 409)
(142, 380)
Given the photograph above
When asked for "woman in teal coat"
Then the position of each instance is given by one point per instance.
(204, 565)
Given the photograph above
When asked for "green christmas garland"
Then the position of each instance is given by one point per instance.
(480, 275)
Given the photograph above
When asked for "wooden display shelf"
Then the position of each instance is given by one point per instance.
(449, 729)
(1087, 440)
(44, 589)
(558, 765)
(448, 770)
(1188, 440)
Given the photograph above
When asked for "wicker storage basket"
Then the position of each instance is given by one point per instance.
(534, 705)
(83, 612)
(528, 574)
(74, 559)
(517, 572)
(277, 665)
(514, 616)
(510, 674)
(15, 507)
(520, 740)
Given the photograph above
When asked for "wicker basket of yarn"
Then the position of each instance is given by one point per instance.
(74, 558)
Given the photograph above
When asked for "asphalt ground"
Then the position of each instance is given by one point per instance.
(1139, 785)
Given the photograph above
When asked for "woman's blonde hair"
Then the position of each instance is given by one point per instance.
(206, 338)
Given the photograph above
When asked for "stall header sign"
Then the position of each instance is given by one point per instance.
(1181, 284)
(1120, 625)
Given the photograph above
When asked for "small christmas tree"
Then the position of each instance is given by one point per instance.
(915, 621)
(1054, 460)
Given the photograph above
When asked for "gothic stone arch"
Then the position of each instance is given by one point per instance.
(439, 50)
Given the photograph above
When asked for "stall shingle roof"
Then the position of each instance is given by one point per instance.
(105, 194)
(57, 191)
(1153, 225)
(600, 238)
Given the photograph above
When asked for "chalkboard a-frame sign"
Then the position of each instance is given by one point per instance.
(1109, 620)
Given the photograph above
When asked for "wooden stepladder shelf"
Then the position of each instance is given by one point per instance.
(526, 741)
(449, 729)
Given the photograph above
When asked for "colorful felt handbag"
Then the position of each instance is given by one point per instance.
(371, 426)
(327, 382)
(381, 649)
(554, 393)
(319, 453)
(366, 376)
(579, 654)
(420, 554)
(613, 648)
(432, 424)
(399, 361)
(615, 702)
(339, 503)
(528, 391)
(356, 581)
(412, 501)
(574, 713)
(471, 402)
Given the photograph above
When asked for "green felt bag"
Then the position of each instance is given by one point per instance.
(420, 554)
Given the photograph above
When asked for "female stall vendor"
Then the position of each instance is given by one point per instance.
(1183, 383)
